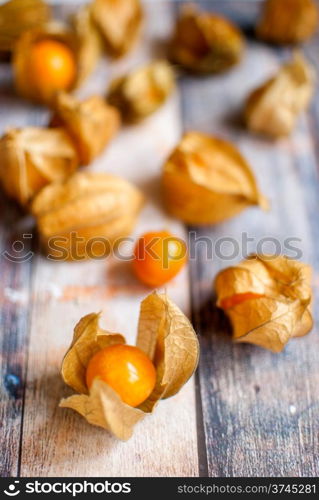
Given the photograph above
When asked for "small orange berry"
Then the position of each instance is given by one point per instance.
(158, 257)
(126, 369)
(239, 298)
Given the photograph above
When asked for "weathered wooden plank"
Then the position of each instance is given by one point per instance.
(56, 441)
(260, 410)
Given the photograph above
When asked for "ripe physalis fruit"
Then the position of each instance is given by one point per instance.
(119, 22)
(288, 21)
(86, 216)
(206, 180)
(158, 257)
(45, 62)
(33, 157)
(205, 43)
(91, 123)
(169, 344)
(267, 299)
(274, 108)
(126, 369)
(141, 92)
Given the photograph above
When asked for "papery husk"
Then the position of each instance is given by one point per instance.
(284, 309)
(274, 108)
(17, 16)
(119, 22)
(164, 334)
(141, 92)
(206, 180)
(287, 21)
(91, 123)
(205, 43)
(33, 157)
(89, 42)
(98, 208)
(23, 77)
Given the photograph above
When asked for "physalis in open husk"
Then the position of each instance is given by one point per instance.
(165, 357)
(206, 180)
(267, 299)
(288, 21)
(274, 108)
(205, 43)
(85, 216)
(119, 22)
(33, 157)
(143, 91)
(91, 123)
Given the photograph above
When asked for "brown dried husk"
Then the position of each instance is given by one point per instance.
(97, 208)
(33, 157)
(288, 21)
(89, 42)
(119, 22)
(284, 309)
(91, 123)
(206, 180)
(17, 16)
(23, 77)
(206, 43)
(164, 334)
(274, 108)
(143, 91)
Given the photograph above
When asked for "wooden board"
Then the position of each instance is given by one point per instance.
(248, 412)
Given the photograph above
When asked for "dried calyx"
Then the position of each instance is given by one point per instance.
(164, 334)
(267, 299)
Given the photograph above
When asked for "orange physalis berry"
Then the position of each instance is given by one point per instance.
(239, 298)
(126, 369)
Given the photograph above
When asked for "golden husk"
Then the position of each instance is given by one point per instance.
(288, 21)
(33, 157)
(164, 334)
(23, 76)
(98, 209)
(283, 310)
(143, 91)
(274, 108)
(206, 180)
(205, 42)
(17, 16)
(91, 123)
(119, 22)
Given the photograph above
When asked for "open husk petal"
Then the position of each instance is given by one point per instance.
(287, 21)
(33, 157)
(97, 208)
(18, 16)
(205, 43)
(91, 123)
(143, 91)
(23, 76)
(119, 22)
(164, 334)
(277, 305)
(274, 108)
(206, 180)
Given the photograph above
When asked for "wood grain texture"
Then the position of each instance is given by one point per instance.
(260, 410)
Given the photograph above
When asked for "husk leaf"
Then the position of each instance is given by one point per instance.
(205, 43)
(206, 180)
(18, 16)
(164, 334)
(282, 308)
(274, 108)
(287, 21)
(119, 22)
(143, 91)
(90, 205)
(91, 123)
(33, 157)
